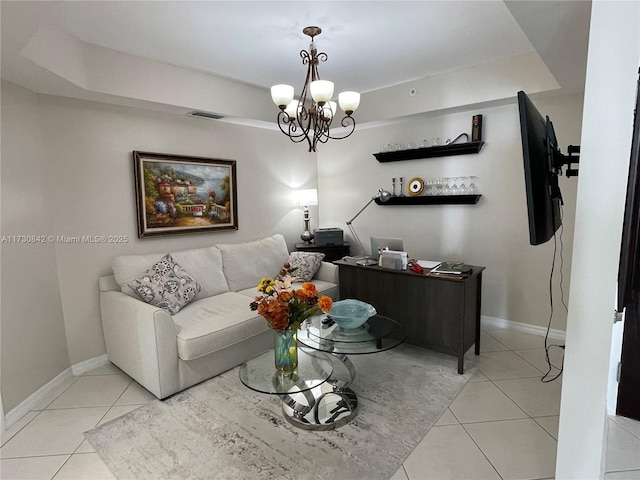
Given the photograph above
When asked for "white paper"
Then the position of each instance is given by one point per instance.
(428, 264)
(395, 254)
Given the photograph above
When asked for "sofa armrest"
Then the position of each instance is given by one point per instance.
(327, 272)
(108, 283)
(141, 340)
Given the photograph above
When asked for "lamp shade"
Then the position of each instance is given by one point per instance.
(306, 196)
(282, 94)
(329, 110)
(321, 90)
(384, 195)
(292, 109)
(349, 101)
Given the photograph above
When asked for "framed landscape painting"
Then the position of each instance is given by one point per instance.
(179, 194)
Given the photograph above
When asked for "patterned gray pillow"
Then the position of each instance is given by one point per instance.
(166, 285)
(306, 264)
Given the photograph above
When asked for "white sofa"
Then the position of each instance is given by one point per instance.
(215, 332)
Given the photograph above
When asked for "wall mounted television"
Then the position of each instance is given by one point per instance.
(628, 402)
(629, 266)
(543, 164)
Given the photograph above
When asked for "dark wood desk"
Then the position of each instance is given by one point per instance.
(439, 313)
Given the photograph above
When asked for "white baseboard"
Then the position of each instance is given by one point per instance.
(32, 400)
(83, 367)
(36, 397)
(554, 334)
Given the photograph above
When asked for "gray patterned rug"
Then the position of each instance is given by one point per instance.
(222, 430)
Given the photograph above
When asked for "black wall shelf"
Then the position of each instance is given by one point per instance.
(432, 200)
(429, 152)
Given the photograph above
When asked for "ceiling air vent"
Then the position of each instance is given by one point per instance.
(198, 113)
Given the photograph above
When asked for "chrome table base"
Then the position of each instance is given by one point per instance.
(326, 406)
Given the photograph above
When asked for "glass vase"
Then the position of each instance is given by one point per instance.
(286, 350)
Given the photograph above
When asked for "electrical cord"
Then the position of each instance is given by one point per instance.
(546, 378)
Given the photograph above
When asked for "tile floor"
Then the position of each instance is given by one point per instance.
(502, 425)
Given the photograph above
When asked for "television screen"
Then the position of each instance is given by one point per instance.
(630, 245)
(539, 146)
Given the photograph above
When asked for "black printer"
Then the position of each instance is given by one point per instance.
(328, 236)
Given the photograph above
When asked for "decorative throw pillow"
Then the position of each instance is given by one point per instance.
(306, 264)
(166, 285)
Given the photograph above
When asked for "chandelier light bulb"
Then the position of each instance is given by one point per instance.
(321, 91)
(349, 101)
(292, 109)
(329, 110)
(282, 95)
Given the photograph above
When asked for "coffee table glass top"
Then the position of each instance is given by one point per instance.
(260, 374)
(377, 334)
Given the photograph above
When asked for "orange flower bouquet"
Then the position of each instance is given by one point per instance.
(283, 306)
(286, 308)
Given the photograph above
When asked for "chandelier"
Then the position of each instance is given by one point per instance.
(310, 117)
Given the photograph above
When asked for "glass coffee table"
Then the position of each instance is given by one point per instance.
(316, 396)
(260, 374)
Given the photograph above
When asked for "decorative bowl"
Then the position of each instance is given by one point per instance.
(351, 313)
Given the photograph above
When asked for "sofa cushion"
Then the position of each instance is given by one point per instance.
(245, 264)
(306, 264)
(166, 285)
(214, 323)
(203, 264)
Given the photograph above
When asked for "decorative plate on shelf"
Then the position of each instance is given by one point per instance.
(415, 187)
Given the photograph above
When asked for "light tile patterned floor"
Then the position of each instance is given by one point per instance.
(502, 425)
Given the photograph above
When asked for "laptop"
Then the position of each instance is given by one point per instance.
(377, 243)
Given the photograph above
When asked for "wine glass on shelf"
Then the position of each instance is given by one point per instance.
(445, 186)
(455, 189)
(464, 185)
(473, 185)
(452, 185)
(429, 186)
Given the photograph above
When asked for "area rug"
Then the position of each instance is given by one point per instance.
(220, 429)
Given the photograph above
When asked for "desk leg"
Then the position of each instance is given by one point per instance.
(478, 307)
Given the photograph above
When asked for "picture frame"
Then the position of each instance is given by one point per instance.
(179, 194)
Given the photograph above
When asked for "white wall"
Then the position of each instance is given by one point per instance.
(493, 233)
(79, 181)
(614, 56)
(34, 347)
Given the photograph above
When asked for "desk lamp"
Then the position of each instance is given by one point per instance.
(384, 196)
